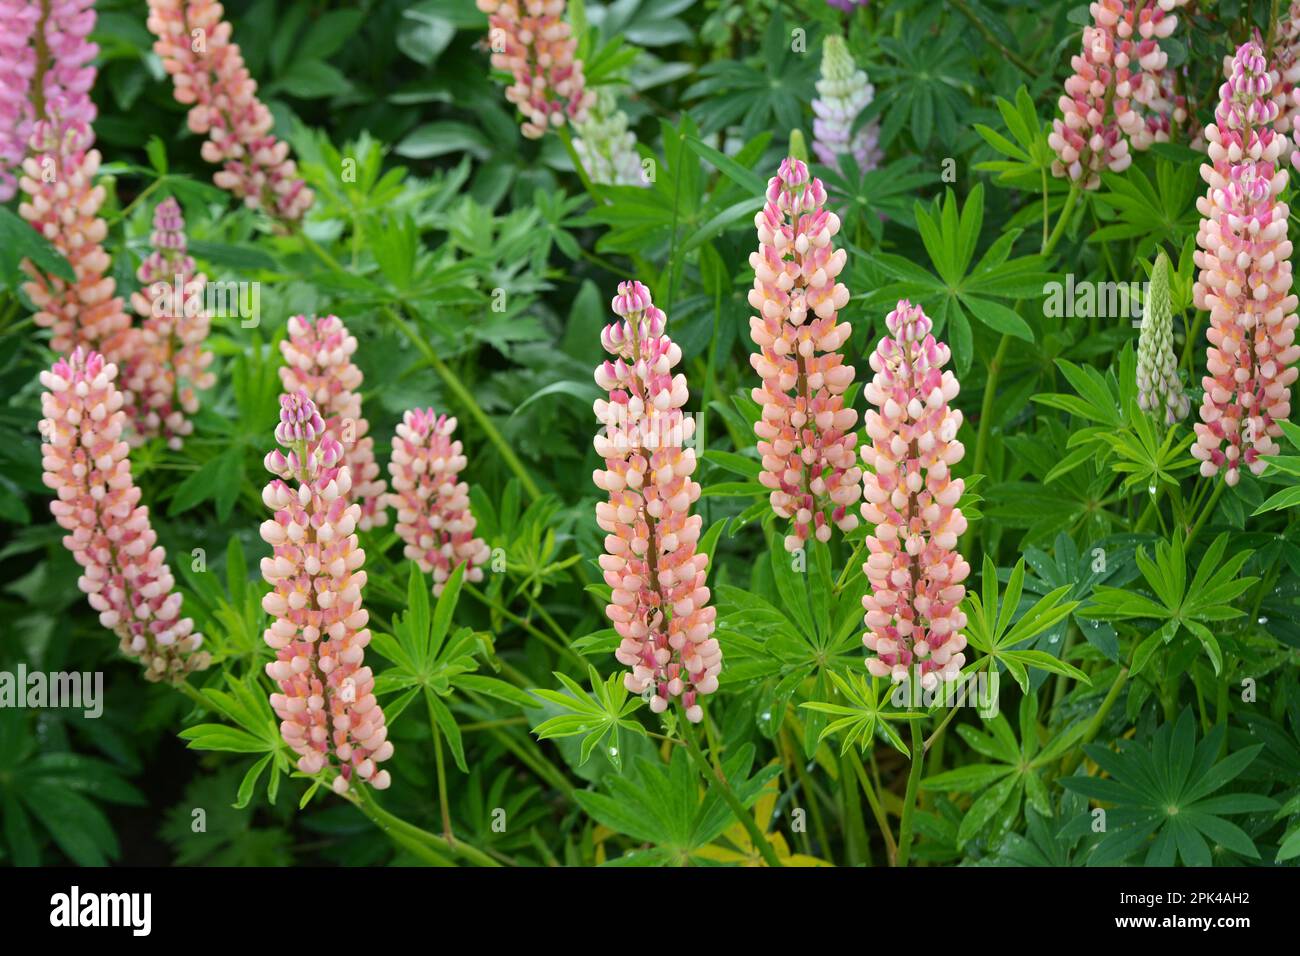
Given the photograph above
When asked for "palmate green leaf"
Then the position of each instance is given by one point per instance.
(863, 717)
(1178, 606)
(599, 715)
(1165, 796)
(989, 625)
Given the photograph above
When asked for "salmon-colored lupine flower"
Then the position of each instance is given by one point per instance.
(842, 93)
(18, 19)
(659, 605)
(125, 573)
(433, 515)
(326, 702)
(209, 76)
(1245, 276)
(806, 435)
(1120, 96)
(61, 200)
(913, 618)
(318, 357)
(62, 203)
(167, 361)
(531, 41)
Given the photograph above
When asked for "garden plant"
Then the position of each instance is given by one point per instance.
(649, 433)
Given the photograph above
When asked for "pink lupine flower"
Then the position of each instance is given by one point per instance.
(433, 515)
(1119, 97)
(62, 203)
(1286, 64)
(913, 613)
(125, 573)
(659, 605)
(1245, 276)
(60, 198)
(318, 358)
(18, 19)
(168, 362)
(842, 93)
(208, 75)
(531, 41)
(326, 701)
(806, 435)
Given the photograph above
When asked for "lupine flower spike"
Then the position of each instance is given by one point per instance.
(168, 362)
(1245, 276)
(606, 147)
(318, 358)
(18, 19)
(433, 515)
(61, 200)
(326, 701)
(843, 92)
(209, 76)
(913, 613)
(806, 435)
(1159, 390)
(531, 41)
(1286, 64)
(1120, 96)
(125, 573)
(660, 604)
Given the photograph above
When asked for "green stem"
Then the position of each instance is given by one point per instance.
(1070, 200)
(877, 810)
(909, 798)
(467, 401)
(364, 800)
(1094, 725)
(1206, 512)
(717, 782)
(443, 806)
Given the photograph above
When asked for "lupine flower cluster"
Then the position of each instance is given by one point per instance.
(806, 436)
(1286, 64)
(606, 147)
(318, 359)
(326, 701)
(167, 360)
(1245, 276)
(659, 604)
(1159, 390)
(61, 200)
(843, 93)
(1120, 96)
(433, 515)
(209, 76)
(531, 41)
(913, 613)
(125, 574)
(18, 19)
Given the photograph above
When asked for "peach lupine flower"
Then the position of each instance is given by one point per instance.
(318, 358)
(326, 701)
(125, 573)
(62, 203)
(806, 435)
(167, 362)
(209, 76)
(659, 605)
(1119, 97)
(1245, 276)
(433, 514)
(913, 613)
(531, 41)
